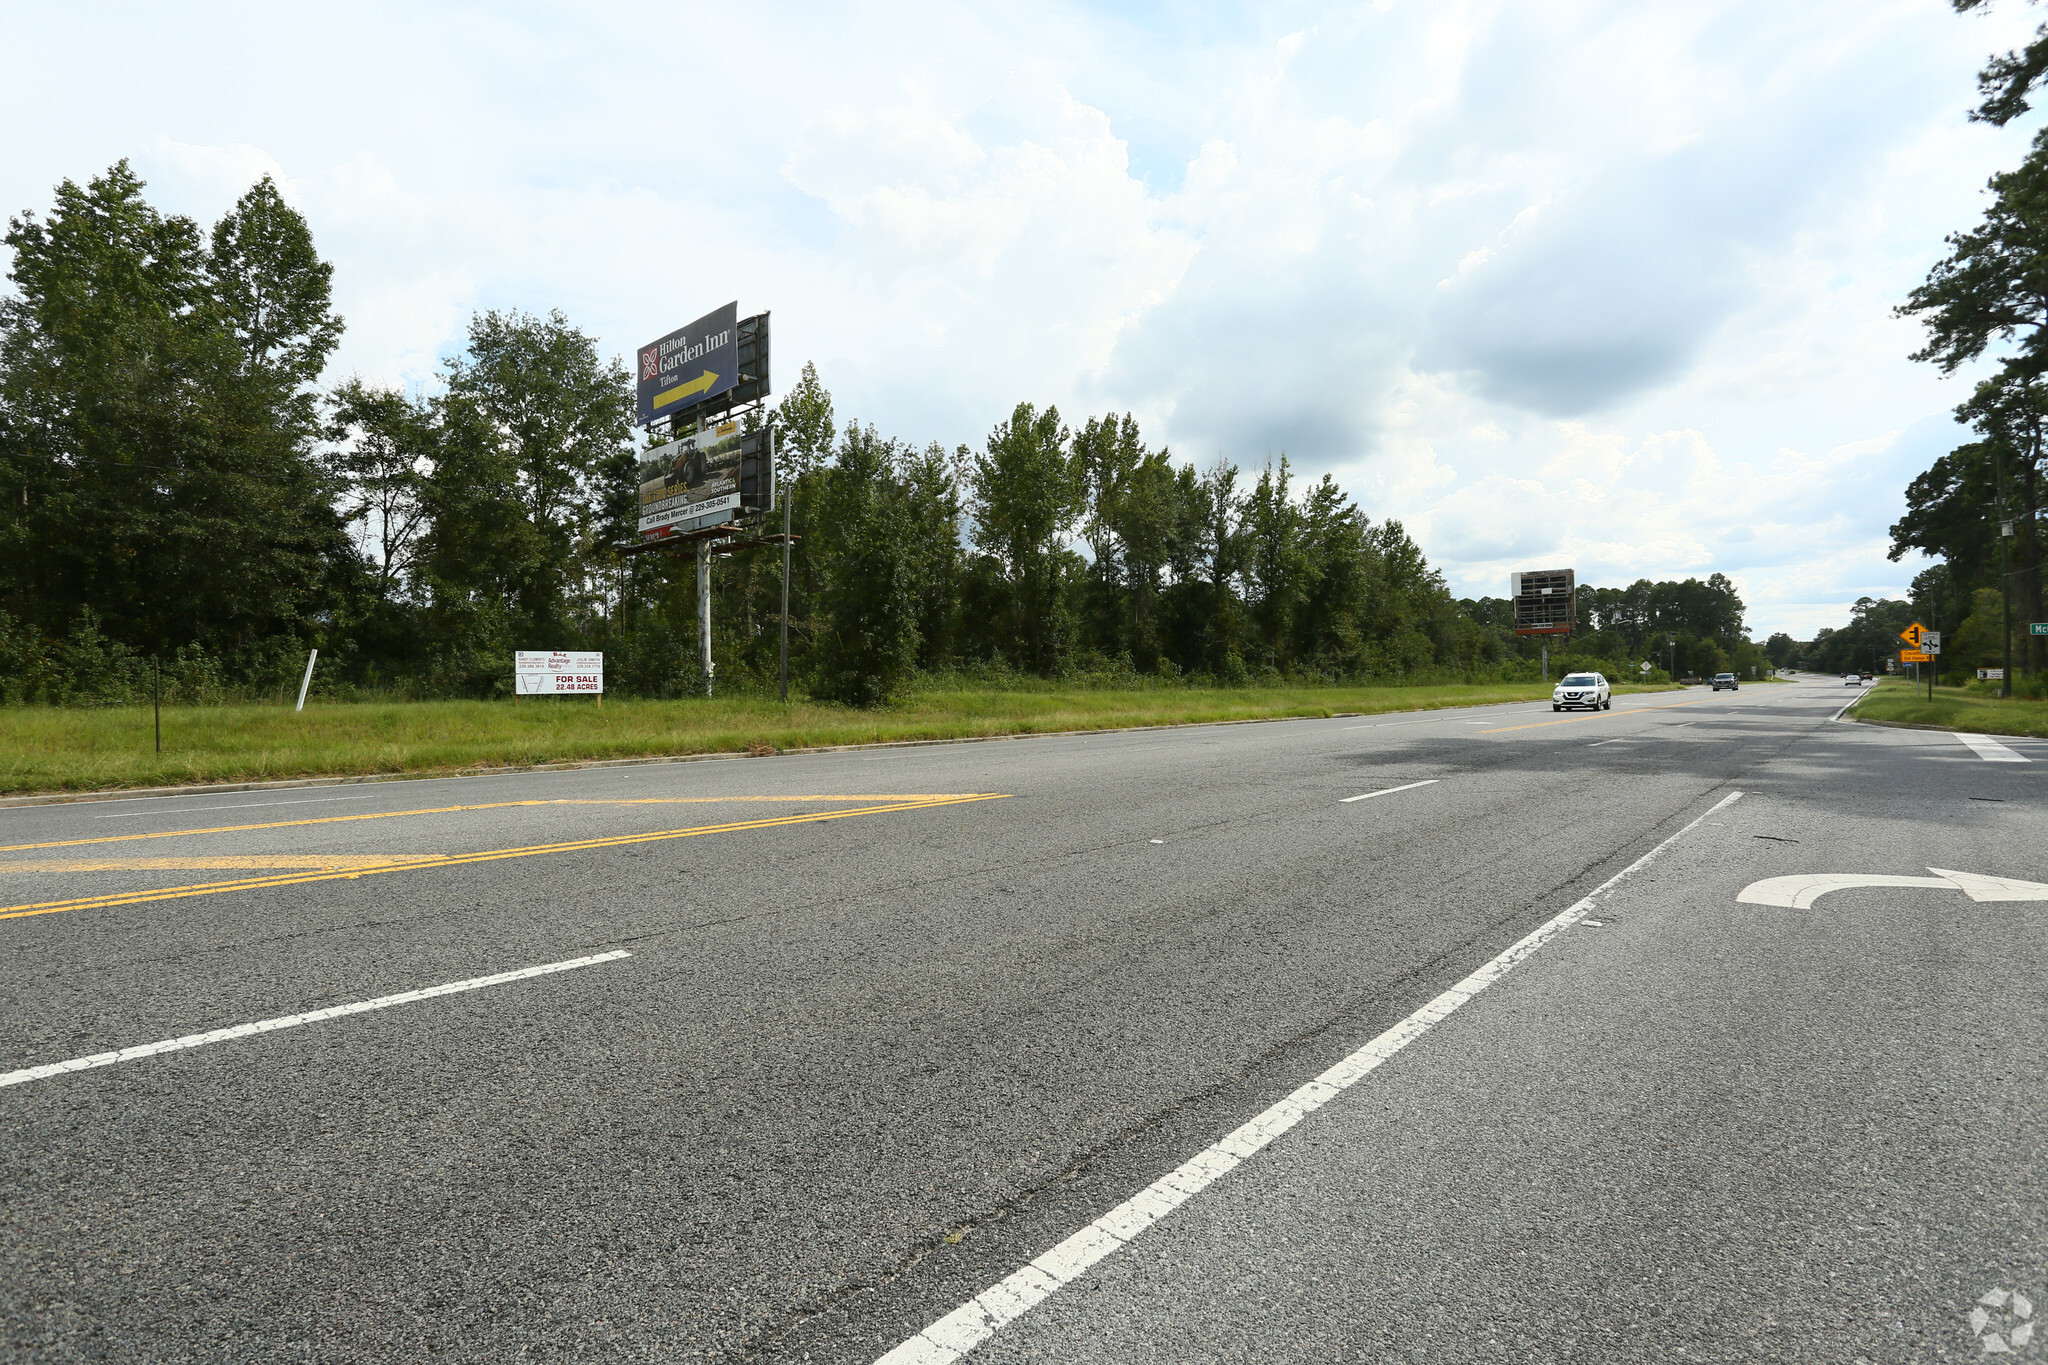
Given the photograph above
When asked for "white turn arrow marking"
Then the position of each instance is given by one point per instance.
(1800, 892)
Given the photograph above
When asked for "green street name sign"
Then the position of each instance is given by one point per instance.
(2037, 628)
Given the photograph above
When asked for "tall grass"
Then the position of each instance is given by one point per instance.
(46, 749)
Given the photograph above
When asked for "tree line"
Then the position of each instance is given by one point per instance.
(178, 492)
(1977, 508)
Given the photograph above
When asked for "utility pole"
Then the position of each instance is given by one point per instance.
(2005, 603)
(1674, 658)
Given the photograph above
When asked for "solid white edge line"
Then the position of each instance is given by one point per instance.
(1367, 796)
(222, 1035)
(981, 1317)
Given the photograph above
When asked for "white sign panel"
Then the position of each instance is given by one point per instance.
(545, 673)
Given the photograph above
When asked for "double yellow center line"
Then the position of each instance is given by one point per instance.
(459, 859)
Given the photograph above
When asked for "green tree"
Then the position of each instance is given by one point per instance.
(2007, 80)
(1274, 565)
(383, 442)
(157, 429)
(869, 563)
(1028, 494)
(1140, 527)
(534, 428)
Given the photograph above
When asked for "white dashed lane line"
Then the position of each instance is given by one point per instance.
(222, 1035)
(1367, 796)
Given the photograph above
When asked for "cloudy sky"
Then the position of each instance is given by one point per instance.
(1604, 283)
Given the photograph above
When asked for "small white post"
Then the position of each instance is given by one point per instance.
(311, 655)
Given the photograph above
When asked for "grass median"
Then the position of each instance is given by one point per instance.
(1899, 702)
(57, 750)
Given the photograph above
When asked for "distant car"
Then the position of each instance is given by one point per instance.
(1852, 680)
(1866, 677)
(1582, 690)
(1726, 680)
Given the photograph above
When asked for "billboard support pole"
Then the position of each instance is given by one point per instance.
(1546, 661)
(785, 594)
(704, 610)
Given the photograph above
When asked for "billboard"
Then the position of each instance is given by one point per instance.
(690, 364)
(552, 673)
(691, 479)
(706, 479)
(1545, 600)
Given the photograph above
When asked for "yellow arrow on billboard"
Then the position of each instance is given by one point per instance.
(700, 384)
(1911, 634)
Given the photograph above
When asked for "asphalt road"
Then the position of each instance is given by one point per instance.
(834, 1044)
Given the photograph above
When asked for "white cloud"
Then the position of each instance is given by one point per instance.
(1589, 281)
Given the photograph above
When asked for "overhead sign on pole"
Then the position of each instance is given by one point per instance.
(690, 364)
(550, 673)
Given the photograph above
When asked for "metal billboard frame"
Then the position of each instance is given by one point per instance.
(1545, 601)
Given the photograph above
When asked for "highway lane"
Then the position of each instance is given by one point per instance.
(877, 1050)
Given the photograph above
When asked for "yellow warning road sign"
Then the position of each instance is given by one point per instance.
(1911, 635)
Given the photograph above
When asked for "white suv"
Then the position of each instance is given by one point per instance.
(1589, 690)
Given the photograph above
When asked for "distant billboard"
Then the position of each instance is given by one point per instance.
(691, 364)
(706, 479)
(1545, 601)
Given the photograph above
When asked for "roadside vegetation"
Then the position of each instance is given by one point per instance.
(236, 508)
(1976, 511)
(1976, 708)
(46, 749)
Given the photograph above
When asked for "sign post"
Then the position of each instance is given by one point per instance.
(704, 612)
